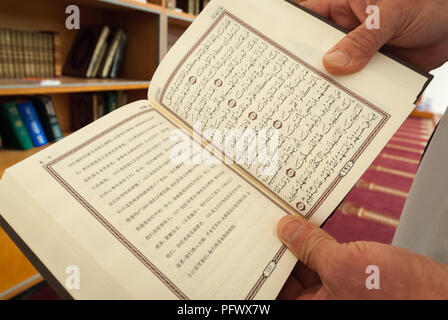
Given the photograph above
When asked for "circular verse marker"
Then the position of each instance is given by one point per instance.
(252, 116)
(277, 124)
(192, 80)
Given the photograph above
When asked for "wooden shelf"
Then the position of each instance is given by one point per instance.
(118, 5)
(69, 85)
(179, 15)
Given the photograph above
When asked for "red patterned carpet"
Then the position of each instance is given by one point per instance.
(372, 208)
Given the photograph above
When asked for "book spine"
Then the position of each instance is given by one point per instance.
(15, 58)
(27, 53)
(43, 57)
(37, 54)
(110, 56)
(43, 54)
(8, 54)
(100, 61)
(191, 6)
(81, 110)
(32, 123)
(2, 56)
(101, 105)
(57, 58)
(122, 99)
(111, 101)
(47, 116)
(97, 51)
(31, 55)
(13, 129)
(49, 54)
(34, 54)
(19, 52)
(196, 7)
(119, 56)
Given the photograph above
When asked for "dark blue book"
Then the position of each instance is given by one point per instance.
(47, 116)
(32, 123)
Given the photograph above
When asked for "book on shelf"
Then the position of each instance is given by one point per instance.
(159, 199)
(28, 54)
(122, 98)
(13, 130)
(88, 107)
(193, 7)
(118, 57)
(32, 123)
(111, 101)
(81, 110)
(105, 71)
(47, 116)
(99, 107)
(96, 52)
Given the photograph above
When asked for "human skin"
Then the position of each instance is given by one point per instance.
(330, 270)
(416, 31)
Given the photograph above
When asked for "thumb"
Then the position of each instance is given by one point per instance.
(307, 242)
(356, 49)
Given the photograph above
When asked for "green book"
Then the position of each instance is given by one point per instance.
(111, 101)
(13, 130)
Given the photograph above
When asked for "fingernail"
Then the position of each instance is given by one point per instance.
(290, 230)
(337, 58)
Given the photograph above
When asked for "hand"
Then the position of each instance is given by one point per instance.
(329, 270)
(415, 30)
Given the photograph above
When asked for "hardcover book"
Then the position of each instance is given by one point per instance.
(14, 132)
(32, 123)
(85, 51)
(167, 197)
(47, 116)
(81, 110)
(118, 57)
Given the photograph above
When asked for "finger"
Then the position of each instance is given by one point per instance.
(314, 293)
(290, 289)
(356, 49)
(321, 7)
(307, 242)
(338, 11)
(307, 277)
(433, 57)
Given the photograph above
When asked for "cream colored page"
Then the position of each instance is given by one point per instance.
(156, 228)
(257, 65)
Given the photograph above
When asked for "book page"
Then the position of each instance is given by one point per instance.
(251, 66)
(110, 200)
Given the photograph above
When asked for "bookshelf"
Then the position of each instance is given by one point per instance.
(151, 28)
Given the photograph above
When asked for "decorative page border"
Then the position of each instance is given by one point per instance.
(386, 116)
(120, 237)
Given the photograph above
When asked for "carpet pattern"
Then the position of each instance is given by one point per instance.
(373, 207)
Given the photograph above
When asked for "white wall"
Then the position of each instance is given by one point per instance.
(436, 95)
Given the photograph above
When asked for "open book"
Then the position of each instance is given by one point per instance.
(156, 201)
